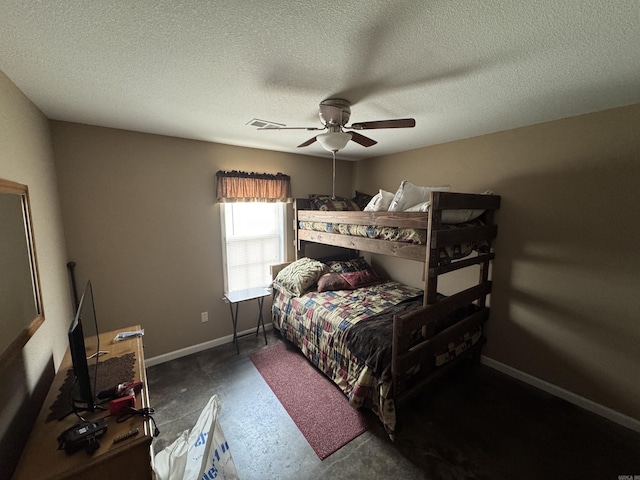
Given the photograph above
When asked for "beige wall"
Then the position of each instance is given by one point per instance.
(26, 157)
(142, 222)
(567, 271)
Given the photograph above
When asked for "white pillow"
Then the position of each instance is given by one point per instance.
(460, 216)
(421, 207)
(464, 215)
(380, 202)
(409, 195)
(452, 216)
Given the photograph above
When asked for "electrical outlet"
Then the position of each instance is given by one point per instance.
(204, 317)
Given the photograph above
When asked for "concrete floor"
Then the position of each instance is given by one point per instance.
(476, 424)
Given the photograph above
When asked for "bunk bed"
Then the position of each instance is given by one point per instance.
(382, 342)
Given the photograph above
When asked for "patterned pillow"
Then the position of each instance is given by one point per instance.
(362, 199)
(326, 202)
(348, 266)
(361, 278)
(346, 281)
(297, 277)
(332, 281)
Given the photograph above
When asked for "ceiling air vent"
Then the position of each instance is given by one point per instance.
(256, 122)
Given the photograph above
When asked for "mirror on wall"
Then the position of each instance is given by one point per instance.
(21, 311)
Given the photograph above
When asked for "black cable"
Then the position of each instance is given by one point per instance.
(145, 412)
(95, 371)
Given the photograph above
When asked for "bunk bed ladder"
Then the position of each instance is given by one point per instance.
(486, 258)
(408, 356)
(432, 254)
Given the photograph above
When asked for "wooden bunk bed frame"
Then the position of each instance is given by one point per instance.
(405, 356)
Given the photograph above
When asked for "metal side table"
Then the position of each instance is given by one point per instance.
(236, 298)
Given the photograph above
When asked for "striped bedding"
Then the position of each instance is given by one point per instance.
(394, 234)
(406, 235)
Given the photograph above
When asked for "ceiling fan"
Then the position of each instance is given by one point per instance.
(334, 115)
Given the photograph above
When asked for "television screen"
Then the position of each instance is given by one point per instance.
(84, 348)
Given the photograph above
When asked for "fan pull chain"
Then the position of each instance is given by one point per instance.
(333, 187)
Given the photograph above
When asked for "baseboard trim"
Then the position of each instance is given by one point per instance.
(183, 352)
(570, 397)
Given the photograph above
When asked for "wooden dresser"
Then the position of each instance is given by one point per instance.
(128, 459)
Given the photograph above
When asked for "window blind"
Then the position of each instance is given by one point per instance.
(253, 234)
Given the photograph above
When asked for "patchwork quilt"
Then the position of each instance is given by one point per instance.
(347, 335)
(318, 323)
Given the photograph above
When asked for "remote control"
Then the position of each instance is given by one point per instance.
(124, 436)
(126, 335)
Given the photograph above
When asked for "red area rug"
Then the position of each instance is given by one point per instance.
(319, 409)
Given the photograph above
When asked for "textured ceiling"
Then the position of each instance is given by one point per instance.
(204, 69)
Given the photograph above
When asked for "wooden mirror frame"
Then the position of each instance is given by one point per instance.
(31, 325)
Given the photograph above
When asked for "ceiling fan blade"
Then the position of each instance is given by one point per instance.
(308, 142)
(291, 128)
(362, 140)
(397, 123)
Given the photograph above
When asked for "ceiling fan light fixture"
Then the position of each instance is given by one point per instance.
(333, 141)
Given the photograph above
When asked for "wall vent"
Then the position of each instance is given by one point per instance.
(256, 122)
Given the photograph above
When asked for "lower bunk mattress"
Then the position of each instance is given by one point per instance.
(347, 334)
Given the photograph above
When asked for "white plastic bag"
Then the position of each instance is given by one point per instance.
(199, 454)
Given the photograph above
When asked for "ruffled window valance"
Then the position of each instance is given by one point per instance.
(237, 186)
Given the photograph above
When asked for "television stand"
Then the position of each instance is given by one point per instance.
(130, 458)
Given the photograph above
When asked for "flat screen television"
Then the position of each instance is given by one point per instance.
(84, 346)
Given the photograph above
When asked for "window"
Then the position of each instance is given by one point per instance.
(253, 239)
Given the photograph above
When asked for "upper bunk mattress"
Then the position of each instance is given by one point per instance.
(399, 234)
(392, 234)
